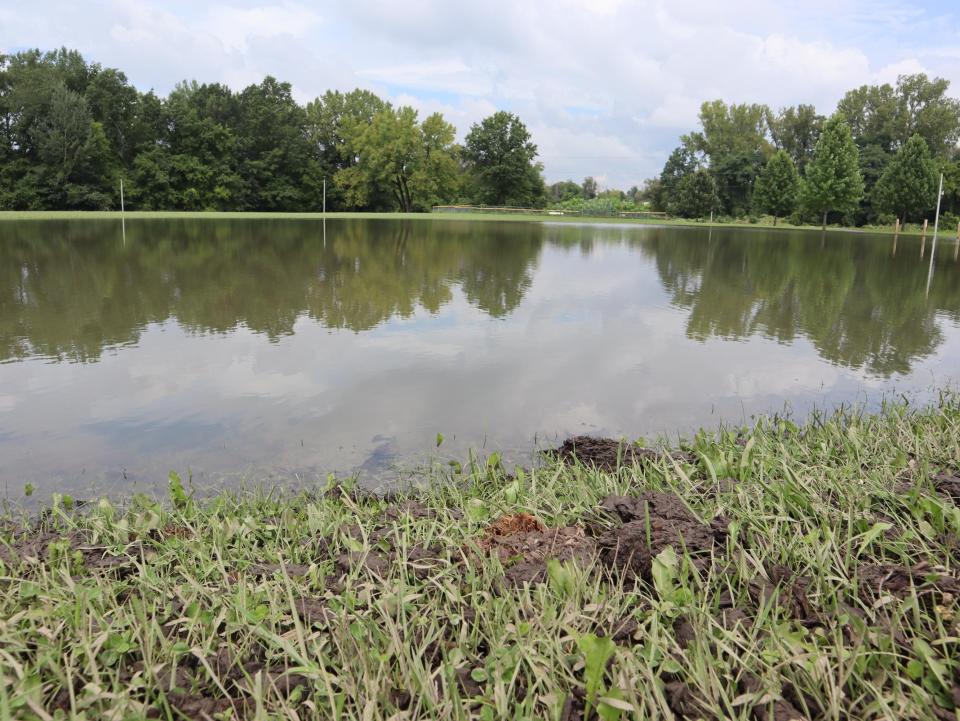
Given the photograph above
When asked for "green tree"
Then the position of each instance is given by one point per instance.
(436, 177)
(733, 140)
(681, 163)
(414, 165)
(330, 120)
(908, 185)
(501, 159)
(564, 190)
(589, 188)
(777, 186)
(832, 181)
(796, 130)
(924, 109)
(696, 195)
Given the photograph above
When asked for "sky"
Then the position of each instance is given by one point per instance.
(605, 86)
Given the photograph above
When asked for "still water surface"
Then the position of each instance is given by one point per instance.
(283, 350)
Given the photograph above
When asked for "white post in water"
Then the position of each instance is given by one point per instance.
(936, 227)
(324, 196)
(123, 219)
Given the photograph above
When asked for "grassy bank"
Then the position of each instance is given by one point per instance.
(765, 223)
(774, 573)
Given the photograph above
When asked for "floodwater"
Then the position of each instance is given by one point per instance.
(283, 350)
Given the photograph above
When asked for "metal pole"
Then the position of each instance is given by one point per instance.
(324, 196)
(936, 227)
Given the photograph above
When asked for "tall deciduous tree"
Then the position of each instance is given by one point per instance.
(733, 139)
(589, 187)
(680, 164)
(832, 181)
(696, 195)
(796, 130)
(395, 157)
(502, 161)
(909, 183)
(777, 186)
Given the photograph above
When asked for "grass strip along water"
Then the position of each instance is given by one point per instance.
(777, 572)
(765, 223)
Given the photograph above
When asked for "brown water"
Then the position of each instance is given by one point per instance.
(280, 350)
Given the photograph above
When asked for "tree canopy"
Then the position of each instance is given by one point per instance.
(833, 181)
(736, 142)
(908, 185)
(777, 186)
(71, 130)
(501, 158)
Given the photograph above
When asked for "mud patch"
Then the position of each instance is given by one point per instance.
(424, 561)
(652, 521)
(373, 562)
(204, 708)
(624, 631)
(607, 454)
(683, 701)
(948, 486)
(509, 526)
(314, 611)
(778, 709)
(265, 570)
(788, 589)
(877, 580)
(524, 545)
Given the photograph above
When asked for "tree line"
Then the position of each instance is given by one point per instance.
(876, 158)
(71, 130)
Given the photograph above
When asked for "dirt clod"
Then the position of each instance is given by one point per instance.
(262, 570)
(606, 454)
(947, 485)
(205, 708)
(683, 702)
(624, 630)
(400, 698)
(469, 687)
(778, 709)
(314, 611)
(525, 545)
(509, 526)
(373, 561)
(788, 588)
(651, 522)
(880, 579)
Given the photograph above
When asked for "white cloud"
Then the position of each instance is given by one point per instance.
(607, 85)
(235, 26)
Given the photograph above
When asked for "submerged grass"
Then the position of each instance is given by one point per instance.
(777, 572)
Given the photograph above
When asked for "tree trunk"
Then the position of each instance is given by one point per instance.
(774, 221)
(824, 226)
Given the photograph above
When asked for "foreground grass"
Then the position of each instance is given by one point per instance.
(773, 573)
(764, 223)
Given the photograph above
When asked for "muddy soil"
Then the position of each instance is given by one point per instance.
(607, 454)
(524, 545)
(948, 486)
(876, 580)
(651, 522)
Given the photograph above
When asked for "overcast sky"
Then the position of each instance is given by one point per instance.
(606, 86)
